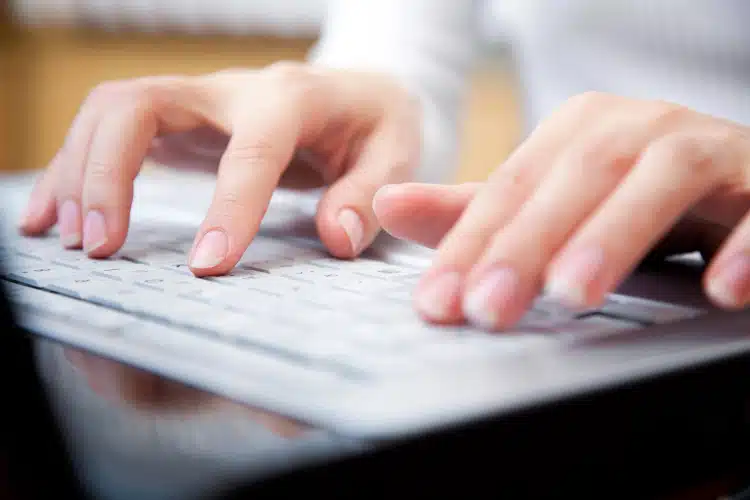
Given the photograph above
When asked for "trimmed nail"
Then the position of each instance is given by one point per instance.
(211, 251)
(383, 191)
(70, 224)
(29, 214)
(353, 228)
(484, 304)
(436, 299)
(94, 231)
(389, 189)
(572, 277)
(731, 286)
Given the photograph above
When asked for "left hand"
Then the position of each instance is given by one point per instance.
(596, 187)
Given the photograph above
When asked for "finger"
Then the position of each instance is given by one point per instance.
(422, 213)
(438, 295)
(118, 147)
(41, 213)
(72, 164)
(117, 150)
(57, 197)
(345, 218)
(727, 279)
(509, 273)
(673, 174)
(261, 147)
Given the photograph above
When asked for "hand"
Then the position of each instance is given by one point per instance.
(595, 188)
(355, 132)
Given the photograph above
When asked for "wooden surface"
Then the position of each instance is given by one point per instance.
(49, 72)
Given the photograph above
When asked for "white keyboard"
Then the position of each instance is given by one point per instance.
(290, 328)
(352, 317)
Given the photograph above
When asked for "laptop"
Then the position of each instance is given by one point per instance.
(337, 345)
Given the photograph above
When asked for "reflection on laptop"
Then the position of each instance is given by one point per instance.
(336, 343)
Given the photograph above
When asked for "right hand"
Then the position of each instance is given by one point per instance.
(362, 130)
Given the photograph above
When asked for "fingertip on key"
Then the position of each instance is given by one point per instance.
(94, 232)
(487, 304)
(210, 251)
(352, 225)
(438, 297)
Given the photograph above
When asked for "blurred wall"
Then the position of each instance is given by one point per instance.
(51, 58)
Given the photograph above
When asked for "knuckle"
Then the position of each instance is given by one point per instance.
(404, 158)
(727, 137)
(230, 205)
(588, 99)
(141, 95)
(687, 153)
(514, 181)
(104, 92)
(608, 152)
(155, 93)
(358, 187)
(102, 172)
(230, 72)
(402, 168)
(146, 97)
(682, 147)
(292, 78)
(287, 70)
(595, 151)
(670, 114)
(727, 146)
(258, 152)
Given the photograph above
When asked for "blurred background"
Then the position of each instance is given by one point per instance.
(52, 52)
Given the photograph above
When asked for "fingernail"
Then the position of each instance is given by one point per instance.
(389, 189)
(437, 297)
(211, 251)
(731, 286)
(572, 277)
(32, 210)
(383, 191)
(484, 304)
(94, 231)
(69, 224)
(353, 228)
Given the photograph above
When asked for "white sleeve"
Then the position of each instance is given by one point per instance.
(428, 45)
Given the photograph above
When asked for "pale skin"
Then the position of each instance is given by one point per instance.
(596, 187)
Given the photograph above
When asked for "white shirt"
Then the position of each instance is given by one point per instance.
(692, 52)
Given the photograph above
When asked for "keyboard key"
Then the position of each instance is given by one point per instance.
(238, 276)
(42, 274)
(403, 294)
(155, 257)
(389, 272)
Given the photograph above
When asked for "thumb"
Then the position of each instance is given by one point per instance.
(422, 213)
